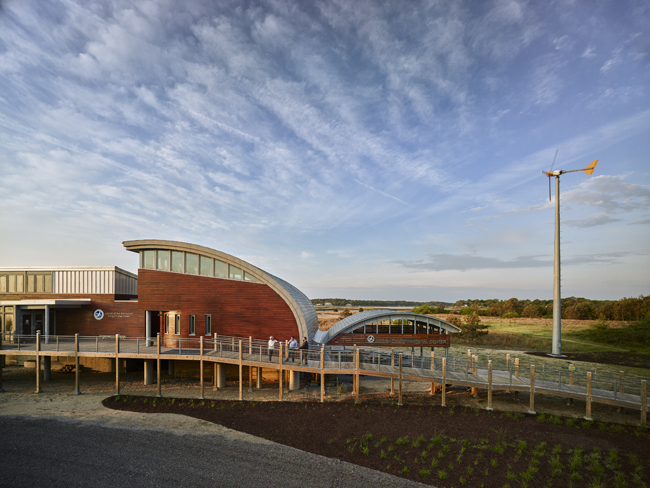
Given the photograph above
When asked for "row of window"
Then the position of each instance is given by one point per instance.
(189, 263)
(36, 283)
(177, 324)
(399, 327)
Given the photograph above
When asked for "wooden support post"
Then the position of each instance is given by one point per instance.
(644, 402)
(571, 368)
(38, 362)
(531, 409)
(433, 367)
(508, 361)
(444, 381)
(76, 365)
(354, 376)
(250, 379)
(357, 376)
(250, 345)
(399, 398)
(621, 388)
(392, 363)
(517, 376)
(117, 364)
(280, 372)
(588, 413)
(241, 380)
(214, 387)
(202, 397)
(158, 366)
(489, 407)
(322, 373)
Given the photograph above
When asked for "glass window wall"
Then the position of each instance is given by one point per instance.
(192, 324)
(148, 259)
(235, 273)
(206, 266)
(163, 261)
(191, 263)
(220, 269)
(250, 277)
(177, 324)
(177, 261)
(208, 325)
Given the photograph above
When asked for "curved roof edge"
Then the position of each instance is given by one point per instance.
(370, 316)
(299, 304)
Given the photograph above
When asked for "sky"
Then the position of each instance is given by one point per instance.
(357, 149)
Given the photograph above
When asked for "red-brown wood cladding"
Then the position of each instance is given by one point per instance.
(122, 318)
(238, 308)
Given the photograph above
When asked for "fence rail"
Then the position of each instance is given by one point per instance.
(460, 370)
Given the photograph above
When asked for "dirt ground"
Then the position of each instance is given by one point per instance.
(420, 440)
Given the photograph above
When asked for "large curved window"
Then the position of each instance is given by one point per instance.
(191, 263)
(235, 273)
(206, 266)
(220, 269)
(177, 262)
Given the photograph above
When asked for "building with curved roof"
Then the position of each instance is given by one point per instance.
(386, 328)
(189, 290)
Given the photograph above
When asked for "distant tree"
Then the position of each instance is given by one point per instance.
(530, 311)
(472, 329)
(360, 309)
(425, 309)
(345, 313)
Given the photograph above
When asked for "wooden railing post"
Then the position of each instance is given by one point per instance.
(357, 376)
(241, 384)
(354, 376)
(280, 372)
(531, 409)
(38, 362)
(117, 364)
(433, 367)
(489, 407)
(399, 398)
(322, 373)
(76, 365)
(250, 345)
(644, 402)
(571, 369)
(214, 387)
(588, 413)
(158, 365)
(517, 376)
(392, 363)
(444, 381)
(621, 388)
(202, 397)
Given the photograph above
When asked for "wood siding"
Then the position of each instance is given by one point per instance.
(238, 308)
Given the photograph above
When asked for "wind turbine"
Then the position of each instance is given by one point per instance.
(557, 304)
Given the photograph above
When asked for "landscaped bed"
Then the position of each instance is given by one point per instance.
(452, 446)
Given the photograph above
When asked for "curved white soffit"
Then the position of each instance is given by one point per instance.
(369, 316)
(301, 307)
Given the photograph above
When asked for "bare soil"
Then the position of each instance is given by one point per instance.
(428, 443)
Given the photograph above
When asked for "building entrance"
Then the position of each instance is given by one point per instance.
(31, 322)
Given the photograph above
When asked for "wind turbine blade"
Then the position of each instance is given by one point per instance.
(554, 160)
(590, 169)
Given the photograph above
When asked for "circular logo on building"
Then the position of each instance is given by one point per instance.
(370, 338)
(99, 314)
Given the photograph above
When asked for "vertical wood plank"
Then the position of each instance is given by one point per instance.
(158, 365)
(399, 398)
(433, 367)
(76, 365)
(117, 364)
(201, 397)
(322, 373)
(38, 362)
(489, 407)
(392, 363)
(588, 412)
(531, 409)
(280, 372)
(241, 380)
(517, 376)
(444, 382)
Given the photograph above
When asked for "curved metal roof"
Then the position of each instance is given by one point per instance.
(370, 316)
(299, 304)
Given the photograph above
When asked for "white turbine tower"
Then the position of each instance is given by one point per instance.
(557, 304)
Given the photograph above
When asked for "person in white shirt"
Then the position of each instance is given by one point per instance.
(293, 345)
(272, 342)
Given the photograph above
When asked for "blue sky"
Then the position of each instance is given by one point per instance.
(366, 149)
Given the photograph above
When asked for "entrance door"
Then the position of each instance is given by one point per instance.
(38, 323)
(27, 324)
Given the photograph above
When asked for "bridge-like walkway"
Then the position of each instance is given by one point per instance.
(439, 369)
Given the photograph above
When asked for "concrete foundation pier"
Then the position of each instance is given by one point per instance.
(47, 368)
(221, 375)
(294, 380)
(170, 367)
(148, 372)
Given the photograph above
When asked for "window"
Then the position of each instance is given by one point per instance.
(250, 277)
(177, 261)
(148, 259)
(235, 273)
(192, 324)
(166, 324)
(191, 263)
(206, 266)
(220, 269)
(163, 260)
(177, 324)
(208, 325)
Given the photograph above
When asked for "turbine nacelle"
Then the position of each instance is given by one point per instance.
(589, 170)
